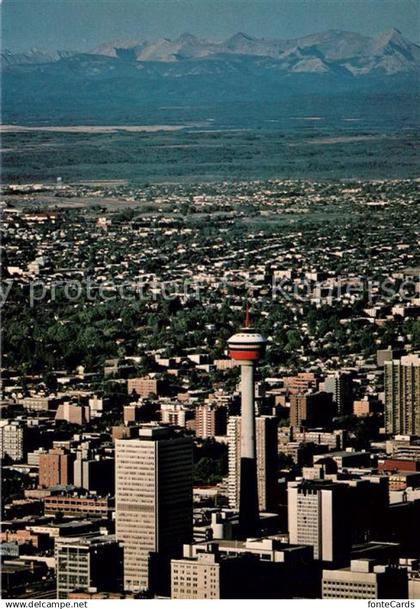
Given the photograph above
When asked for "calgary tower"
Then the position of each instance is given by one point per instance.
(247, 347)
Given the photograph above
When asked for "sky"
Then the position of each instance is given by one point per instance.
(85, 24)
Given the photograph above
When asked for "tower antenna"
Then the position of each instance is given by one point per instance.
(247, 316)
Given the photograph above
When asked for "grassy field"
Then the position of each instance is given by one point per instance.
(197, 155)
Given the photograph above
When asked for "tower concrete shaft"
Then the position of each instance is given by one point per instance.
(247, 411)
(248, 493)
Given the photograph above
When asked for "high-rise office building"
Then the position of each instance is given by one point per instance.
(266, 440)
(318, 516)
(56, 468)
(340, 384)
(153, 499)
(210, 421)
(91, 562)
(12, 434)
(311, 409)
(369, 501)
(94, 474)
(402, 395)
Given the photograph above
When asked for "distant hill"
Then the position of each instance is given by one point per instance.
(119, 76)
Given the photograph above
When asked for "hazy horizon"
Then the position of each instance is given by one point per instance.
(84, 25)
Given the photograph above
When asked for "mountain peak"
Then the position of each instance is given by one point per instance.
(332, 51)
(392, 35)
(393, 42)
(187, 37)
(239, 37)
(395, 31)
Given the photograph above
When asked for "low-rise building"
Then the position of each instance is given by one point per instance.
(83, 563)
(146, 386)
(75, 505)
(39, 403)
(365, 579)
(73, 413)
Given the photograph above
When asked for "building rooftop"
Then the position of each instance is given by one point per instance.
(86, 540)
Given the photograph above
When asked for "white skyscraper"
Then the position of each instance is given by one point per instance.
(340, 385)
(153, 499)
(318, 517)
